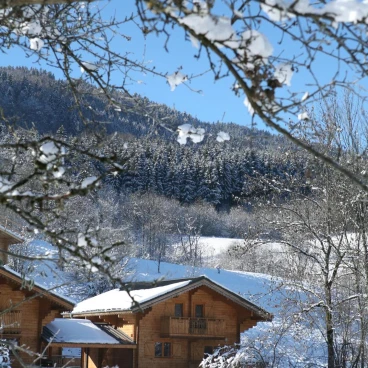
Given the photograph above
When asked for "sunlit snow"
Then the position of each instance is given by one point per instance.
(303, 116)
(36, 44)
(175, 79)
(69, 330)
(276, 10)
(49, 152)
(88, 181)
(215, 29)
(248, 106)
(222, 137)
(117, 299)
(350, 11)
(257, 44)
(283, 73)
(88, 66)
(305, 96)
(186, 131)
(297, 343)
(5, 185)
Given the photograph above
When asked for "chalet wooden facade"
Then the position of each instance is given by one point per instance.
(24, 307)
(169, 324)
(24, 311)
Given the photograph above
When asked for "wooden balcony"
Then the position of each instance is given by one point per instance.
(10, 322)
(192, 327)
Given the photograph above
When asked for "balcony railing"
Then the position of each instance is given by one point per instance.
(192, 327)
(10, 322)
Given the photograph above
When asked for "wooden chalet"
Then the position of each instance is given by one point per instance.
(24, 307)
(168, 324)
(161, 324)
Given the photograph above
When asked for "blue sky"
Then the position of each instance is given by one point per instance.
(216, 102)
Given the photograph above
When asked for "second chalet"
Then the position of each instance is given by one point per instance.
(164, 324)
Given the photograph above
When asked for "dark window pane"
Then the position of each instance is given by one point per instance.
(158, 349)
(199, 311)
(208, 350)
(167, 349)
(178, 310)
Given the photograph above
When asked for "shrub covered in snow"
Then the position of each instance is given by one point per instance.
(280, 343)
(4, 355)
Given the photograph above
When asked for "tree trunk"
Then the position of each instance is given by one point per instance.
(330, 333)
(330, 340)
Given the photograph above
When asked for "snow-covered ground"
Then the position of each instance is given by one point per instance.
(212, 246)
(45, 269)
(256, 287)
(252, 286)
(291, 340)
(209, 249)
(259, 288)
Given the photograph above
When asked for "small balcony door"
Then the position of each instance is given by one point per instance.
(179, 310)
(199, 311)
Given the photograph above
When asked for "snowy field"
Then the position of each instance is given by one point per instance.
(259, 288)
(252, 286)
(212, 247)
(296, 344)
(46, 271)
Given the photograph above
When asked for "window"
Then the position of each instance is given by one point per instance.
(167, 349)
(199, 311)
(178, 310)
(162, 349)
(208, 350)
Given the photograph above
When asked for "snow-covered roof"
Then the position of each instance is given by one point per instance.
(6, 271)
(17, 238)
(139, 296)
(121, 300)
(80, 332)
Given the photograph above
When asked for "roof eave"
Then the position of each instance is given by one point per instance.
(89, 345)
(259, 312)
(204, 281)
(42, 292)
(11, 234)
(96, 313)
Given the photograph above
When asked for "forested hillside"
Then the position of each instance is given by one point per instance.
(34, 98)
(219, 174)
(222, 174)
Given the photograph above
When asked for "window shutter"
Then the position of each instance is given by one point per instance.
(176, 349)
(197, 352)
(149, 349)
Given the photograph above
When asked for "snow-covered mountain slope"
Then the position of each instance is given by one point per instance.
(294, 342)
(252, 286)
(212, 246)
(46, 271)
